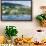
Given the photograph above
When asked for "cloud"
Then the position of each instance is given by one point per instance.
(26, 3)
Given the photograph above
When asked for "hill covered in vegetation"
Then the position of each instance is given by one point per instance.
(15, 9)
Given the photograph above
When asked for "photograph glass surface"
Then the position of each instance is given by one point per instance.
(16, 10)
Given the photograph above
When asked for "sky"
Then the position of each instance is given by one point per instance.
(26, 3)
(16, 0)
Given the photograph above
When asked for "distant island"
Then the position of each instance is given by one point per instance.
(15, 9)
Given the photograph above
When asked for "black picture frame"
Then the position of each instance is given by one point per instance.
(16, 20)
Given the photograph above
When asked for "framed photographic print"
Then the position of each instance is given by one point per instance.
(16, 10)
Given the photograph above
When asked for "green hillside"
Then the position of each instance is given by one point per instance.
(15, 9)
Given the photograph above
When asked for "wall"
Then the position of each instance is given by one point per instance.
(26, 27)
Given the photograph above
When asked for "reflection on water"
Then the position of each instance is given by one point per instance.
(16, 17)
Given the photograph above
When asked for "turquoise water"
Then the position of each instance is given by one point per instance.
(16, 17)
